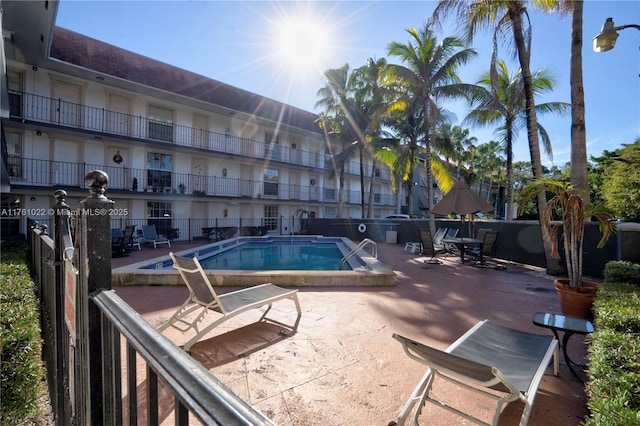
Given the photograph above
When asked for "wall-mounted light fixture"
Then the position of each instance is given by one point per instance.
(606, 39)
(224, 172)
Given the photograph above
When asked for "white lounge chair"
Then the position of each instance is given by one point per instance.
(488, 356)
(149, 235)
(203, 297)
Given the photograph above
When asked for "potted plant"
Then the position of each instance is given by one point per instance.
(576, 293)
(182, 188)
(134, 184)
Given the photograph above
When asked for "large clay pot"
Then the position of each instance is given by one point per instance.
(576, 301)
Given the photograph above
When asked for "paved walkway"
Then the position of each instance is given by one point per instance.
(341, 366)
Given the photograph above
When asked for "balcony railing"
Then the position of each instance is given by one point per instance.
(48, 173)
(61, 113)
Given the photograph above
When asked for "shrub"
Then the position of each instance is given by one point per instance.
(621, 271)
(614, 370)
(21, 371)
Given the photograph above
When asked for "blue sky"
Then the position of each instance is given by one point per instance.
(240, 43)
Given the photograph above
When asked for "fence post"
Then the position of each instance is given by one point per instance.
(94, 229)
(62, 241)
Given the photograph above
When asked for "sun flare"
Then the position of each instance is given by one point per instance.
(302, 44)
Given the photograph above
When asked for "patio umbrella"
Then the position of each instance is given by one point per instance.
(463, 201)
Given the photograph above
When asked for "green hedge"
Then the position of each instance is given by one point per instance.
(21, 369)
(614, 369)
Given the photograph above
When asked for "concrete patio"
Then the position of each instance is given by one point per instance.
(341, 365)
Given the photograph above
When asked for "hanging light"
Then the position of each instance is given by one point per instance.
(606, 39)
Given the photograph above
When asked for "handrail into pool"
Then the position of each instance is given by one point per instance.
(358, 248)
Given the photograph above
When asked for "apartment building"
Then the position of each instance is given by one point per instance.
(182, 151)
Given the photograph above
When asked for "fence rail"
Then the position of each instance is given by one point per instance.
(85, 325)
(36, 172)
(28, 106)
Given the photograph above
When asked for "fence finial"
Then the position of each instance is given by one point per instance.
(97, 181)
(60, 195)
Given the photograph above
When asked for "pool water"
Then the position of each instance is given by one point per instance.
(288, 261)
(278, 255)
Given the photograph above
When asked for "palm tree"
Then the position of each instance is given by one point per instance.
(502, 16)
(453, 142)
(337, 96)
(370, 95)
(336, 138)
(579, 172)
(502, 103)
(491, 165)
(428, 73)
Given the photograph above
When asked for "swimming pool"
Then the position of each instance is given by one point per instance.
(282, 260)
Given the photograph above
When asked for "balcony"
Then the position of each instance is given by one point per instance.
(40, 109)
(46, 173)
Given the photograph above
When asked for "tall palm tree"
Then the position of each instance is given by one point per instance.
(428, 74)
(370, 96)
(579, 172)
(338, 97)
(406, 126)
(336, 139)
(492, 164)
(502, 16)
(453, 142)
(502, 103)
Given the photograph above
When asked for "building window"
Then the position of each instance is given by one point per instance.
(271, 217)
(330, 212)
(159, 168)
(14, 84)
(14, 153)
(159, 213)
(159, 209)
(270, 182)
(160, 123)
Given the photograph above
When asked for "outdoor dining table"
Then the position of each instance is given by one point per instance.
(462, 243)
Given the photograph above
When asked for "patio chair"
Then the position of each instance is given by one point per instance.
(427, 247)
(203, 298)
(447, 248)
(414, 246)
(487, 358)
(149, 235)
(487, 249)
(121, 241)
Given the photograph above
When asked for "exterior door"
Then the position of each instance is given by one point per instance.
(66, 169)
(198, 175)
(118, 118)
(200, 135)
(119, 173)
(66, 109)
(246, 181)
(294, 185)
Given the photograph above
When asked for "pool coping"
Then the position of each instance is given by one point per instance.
(375, 274)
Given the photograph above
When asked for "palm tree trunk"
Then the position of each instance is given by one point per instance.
(371, 186)
(427, 164)
(340, 191)
(579, 178)
(361, 151)
(510, 180)
(553, 264)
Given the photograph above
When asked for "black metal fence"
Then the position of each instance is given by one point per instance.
(87, 329)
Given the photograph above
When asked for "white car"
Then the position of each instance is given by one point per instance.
(398, 216)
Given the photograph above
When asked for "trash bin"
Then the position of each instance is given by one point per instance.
(392, 237)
